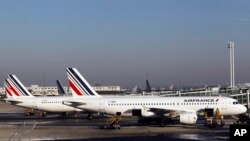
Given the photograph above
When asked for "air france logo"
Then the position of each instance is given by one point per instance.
(199, 100)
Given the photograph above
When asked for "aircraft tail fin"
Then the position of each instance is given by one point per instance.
(7, 89)
(17, 88)
(78, 85)
(148, 88)
(60, 87)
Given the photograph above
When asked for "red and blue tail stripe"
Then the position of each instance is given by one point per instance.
(17, 87)
(7, 88)
(12, 88)
(78, 84)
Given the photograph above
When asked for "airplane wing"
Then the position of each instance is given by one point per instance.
(73, 103)
(14, 102)
(162, 111)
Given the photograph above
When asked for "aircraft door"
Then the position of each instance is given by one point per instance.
(34, 104)
(224, 109)
(102, 106)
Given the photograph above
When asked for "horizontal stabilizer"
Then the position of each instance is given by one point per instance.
(73, 104)
(13, 102)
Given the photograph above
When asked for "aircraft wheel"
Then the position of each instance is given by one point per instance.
(104, 127)
(44, 114)
(90, 117)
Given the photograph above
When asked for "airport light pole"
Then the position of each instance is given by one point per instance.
(232, 78)
(44, 79)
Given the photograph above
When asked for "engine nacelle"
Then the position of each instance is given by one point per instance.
(188, 118)
(146, 112)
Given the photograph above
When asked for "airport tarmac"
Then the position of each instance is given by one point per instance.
(15, 126)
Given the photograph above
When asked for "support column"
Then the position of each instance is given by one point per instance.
(248, 99)
(232, 77)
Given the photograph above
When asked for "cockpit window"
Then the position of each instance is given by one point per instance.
(235, 103)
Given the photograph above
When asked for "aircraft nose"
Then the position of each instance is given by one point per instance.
(243, 109)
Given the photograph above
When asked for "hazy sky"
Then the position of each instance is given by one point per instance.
(117, 42)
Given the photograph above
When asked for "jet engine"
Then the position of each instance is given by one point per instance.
(188, 118)
(145, 112)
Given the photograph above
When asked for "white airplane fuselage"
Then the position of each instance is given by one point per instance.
(125, 104)
(48, 104)
(186, 108)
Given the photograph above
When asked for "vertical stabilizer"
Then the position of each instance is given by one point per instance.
(60, 87)
(7, 89)
(78, 85)
(17, 87)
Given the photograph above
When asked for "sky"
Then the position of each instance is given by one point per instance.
(117, 42)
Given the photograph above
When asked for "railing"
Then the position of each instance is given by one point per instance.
(242, 97)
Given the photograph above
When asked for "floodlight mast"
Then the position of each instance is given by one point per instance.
(232, 75)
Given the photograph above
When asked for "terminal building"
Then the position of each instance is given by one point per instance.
(37, 90)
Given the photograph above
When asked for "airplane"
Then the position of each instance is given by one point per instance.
(187, 108)
(60, 88)
(18, 95)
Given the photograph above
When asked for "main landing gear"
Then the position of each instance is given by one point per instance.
(113, 123)
(29, 112)
(43, 114)
(90, 116)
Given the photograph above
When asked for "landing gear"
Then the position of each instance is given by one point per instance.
(29, 112)
(64, 113)
(113, 123)
(90, 116)
(242, 119)
(162, 122)
(144, 120)
(43, 114)
(141, 120)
